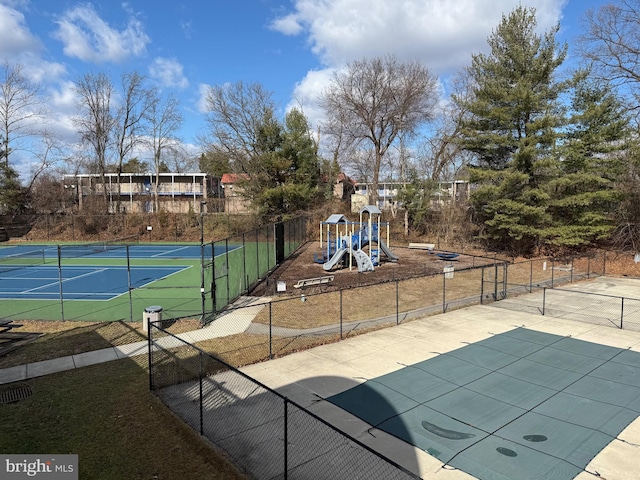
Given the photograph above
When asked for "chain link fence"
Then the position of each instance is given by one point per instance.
(286, 325)
(595, 308)
(108, 280)
(265, 433)
(241, 261)
(270, 436)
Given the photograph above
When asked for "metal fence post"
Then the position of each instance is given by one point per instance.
(286, 438)
(244, 265)
(544, 298)
(60, 281)
(444, 293)
(530, 276)
(129, 287)
(621, 312)
(226, 257)
(201, 396)
(340, 314)
(150, 352)
(214, 287)
(270, 332)
(571, 272)
(588, 267)
(495, 282)
(553, 269)
(397, 303)
(482, 286)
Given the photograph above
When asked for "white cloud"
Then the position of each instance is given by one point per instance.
(201, 104)
(87, 37)
(169, 72)
(307, 93)
(41, 71)
(15, 37)
(440, 33)
(288, 25)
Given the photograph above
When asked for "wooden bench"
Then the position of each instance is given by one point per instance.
(423, 246)
(313, 281)
(564, 268)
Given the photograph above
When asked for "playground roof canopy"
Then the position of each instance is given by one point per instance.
(370, 209)
(336, 218)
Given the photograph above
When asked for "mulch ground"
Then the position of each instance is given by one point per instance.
(410, 263)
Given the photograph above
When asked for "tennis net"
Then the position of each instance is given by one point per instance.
(22, 260)
(96, 248)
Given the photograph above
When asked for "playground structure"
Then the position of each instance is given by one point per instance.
(353, 240)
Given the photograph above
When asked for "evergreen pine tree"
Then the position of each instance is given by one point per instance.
(511, 128)
(583, 197)
(14, 198)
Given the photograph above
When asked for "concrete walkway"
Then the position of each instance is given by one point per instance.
(231, 323)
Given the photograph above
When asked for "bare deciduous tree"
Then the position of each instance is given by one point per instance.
(47, 153)
(95, 120)
(373, 101)
(164, 120)
(236, 113)
(612, 43)
(128, 122)
(22, 108)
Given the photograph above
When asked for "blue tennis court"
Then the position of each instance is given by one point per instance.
(107, 250)
(45, 282)
(60, 281)
(30, 272)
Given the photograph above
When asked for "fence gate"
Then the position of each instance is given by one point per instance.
(494, 283)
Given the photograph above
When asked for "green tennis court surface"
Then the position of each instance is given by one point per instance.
(521, 404)
(104, 281)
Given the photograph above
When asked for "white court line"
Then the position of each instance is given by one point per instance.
(170, 251)
(182, 268)
(65, 280)
(56, 281)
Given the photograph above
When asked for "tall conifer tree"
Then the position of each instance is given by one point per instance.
(583, 197)
(511, 128)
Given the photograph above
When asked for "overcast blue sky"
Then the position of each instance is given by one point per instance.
(289, 46)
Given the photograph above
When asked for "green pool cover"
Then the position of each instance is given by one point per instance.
(522, 404)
